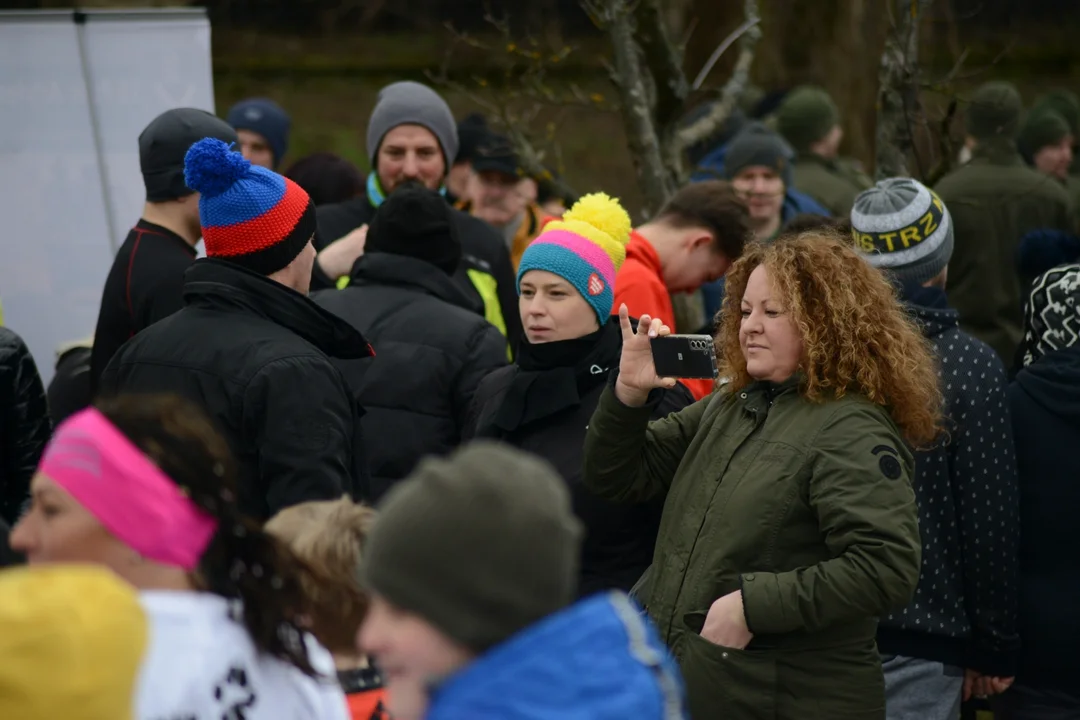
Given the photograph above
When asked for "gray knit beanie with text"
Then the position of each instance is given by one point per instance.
(902, 226)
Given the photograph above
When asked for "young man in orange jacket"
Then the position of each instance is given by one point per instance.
(693, 240)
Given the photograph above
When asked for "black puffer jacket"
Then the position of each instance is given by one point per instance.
(431, 353)
(543, 405)
(964, 611)
(1045, 405)
(24, 423)
(256, 356)
(485, 275)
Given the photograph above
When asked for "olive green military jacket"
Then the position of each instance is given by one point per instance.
(832, 183)
(805, 507)
(995, 200)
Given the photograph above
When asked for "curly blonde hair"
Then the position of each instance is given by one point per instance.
(856, 335)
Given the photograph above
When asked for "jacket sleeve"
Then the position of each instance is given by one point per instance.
(860, 489)
(486, 352)
(985, 485)
(506, 289)
(629, 459)
(300, 417)
(27, 428)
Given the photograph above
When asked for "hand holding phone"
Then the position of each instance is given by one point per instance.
(637, 374)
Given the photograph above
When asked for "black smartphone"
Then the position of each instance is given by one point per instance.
(685, 356)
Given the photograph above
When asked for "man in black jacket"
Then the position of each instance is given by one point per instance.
(24, 423)
(411, 137)
(433, 349)
(958, 637)
(250, 347)
(147, 275)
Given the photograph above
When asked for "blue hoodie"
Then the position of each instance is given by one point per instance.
(600, 659)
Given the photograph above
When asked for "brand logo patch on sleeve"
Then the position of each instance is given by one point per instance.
(888, 461)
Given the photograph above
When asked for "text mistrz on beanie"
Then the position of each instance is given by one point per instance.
(249, 215)
(903, 226)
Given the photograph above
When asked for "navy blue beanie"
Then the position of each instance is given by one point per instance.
(265, 117)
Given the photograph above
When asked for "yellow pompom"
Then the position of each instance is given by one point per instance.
(604, 213)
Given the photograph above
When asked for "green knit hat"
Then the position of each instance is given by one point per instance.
(995, 111)
(1041, 129)
(806, 116)
(1065, 103)
(481, 544)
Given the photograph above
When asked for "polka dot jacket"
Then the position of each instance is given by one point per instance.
(964, 611)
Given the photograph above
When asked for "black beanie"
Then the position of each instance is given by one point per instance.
(481, 544)
(757, 145)
(164, 143)
(418, 223)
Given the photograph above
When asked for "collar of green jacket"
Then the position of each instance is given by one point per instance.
(997, 151)
(760, 395)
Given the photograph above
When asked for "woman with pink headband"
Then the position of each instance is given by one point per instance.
(145, 486)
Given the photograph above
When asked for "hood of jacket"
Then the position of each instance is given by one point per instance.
(598, 660)
(929, 307)
(380, 268)
(221, 285)
(1053, 381)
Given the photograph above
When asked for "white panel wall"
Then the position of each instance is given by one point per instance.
(74, 97)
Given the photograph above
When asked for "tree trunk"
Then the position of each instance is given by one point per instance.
(642, 135)
(898, 93)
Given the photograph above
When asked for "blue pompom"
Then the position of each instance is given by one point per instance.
(211, 167)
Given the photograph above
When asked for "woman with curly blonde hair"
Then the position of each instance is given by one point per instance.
(790, 523)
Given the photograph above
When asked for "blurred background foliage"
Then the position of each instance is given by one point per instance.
(324, 61)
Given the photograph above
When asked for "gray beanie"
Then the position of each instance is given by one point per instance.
(481, 544)
(903, 227)
(410, 103)
(757, 145)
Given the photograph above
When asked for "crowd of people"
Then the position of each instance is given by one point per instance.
(397, 446)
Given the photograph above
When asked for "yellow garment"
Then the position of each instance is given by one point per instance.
(72, 640)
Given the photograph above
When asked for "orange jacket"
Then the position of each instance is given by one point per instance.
(640, 284)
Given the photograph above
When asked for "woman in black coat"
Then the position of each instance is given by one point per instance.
(543, 402)
(1044, 402)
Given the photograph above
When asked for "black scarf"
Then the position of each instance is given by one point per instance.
(555, 376)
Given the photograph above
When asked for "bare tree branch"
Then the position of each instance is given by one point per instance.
(663, 61)
(720, 50)
(898, 91)
(733, 89)
(642, 133)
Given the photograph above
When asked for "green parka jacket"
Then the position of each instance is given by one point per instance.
(807, 507)
(833, 183)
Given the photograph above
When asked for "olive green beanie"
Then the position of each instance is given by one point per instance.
(806, 116)
(480, 544)
(995, 112)
(1041, 129)
(1065, 103)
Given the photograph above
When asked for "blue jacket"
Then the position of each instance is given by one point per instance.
(597, 660)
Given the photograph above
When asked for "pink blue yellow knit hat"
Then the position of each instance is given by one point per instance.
(250, 216)
(586, 248)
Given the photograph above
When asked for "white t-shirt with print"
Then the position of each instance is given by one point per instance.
(200, 664)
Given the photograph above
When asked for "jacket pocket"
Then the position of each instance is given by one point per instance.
(727, 683)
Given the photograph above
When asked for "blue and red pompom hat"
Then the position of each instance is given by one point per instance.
(250, 216)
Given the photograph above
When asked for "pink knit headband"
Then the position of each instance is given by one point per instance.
(135, 501)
